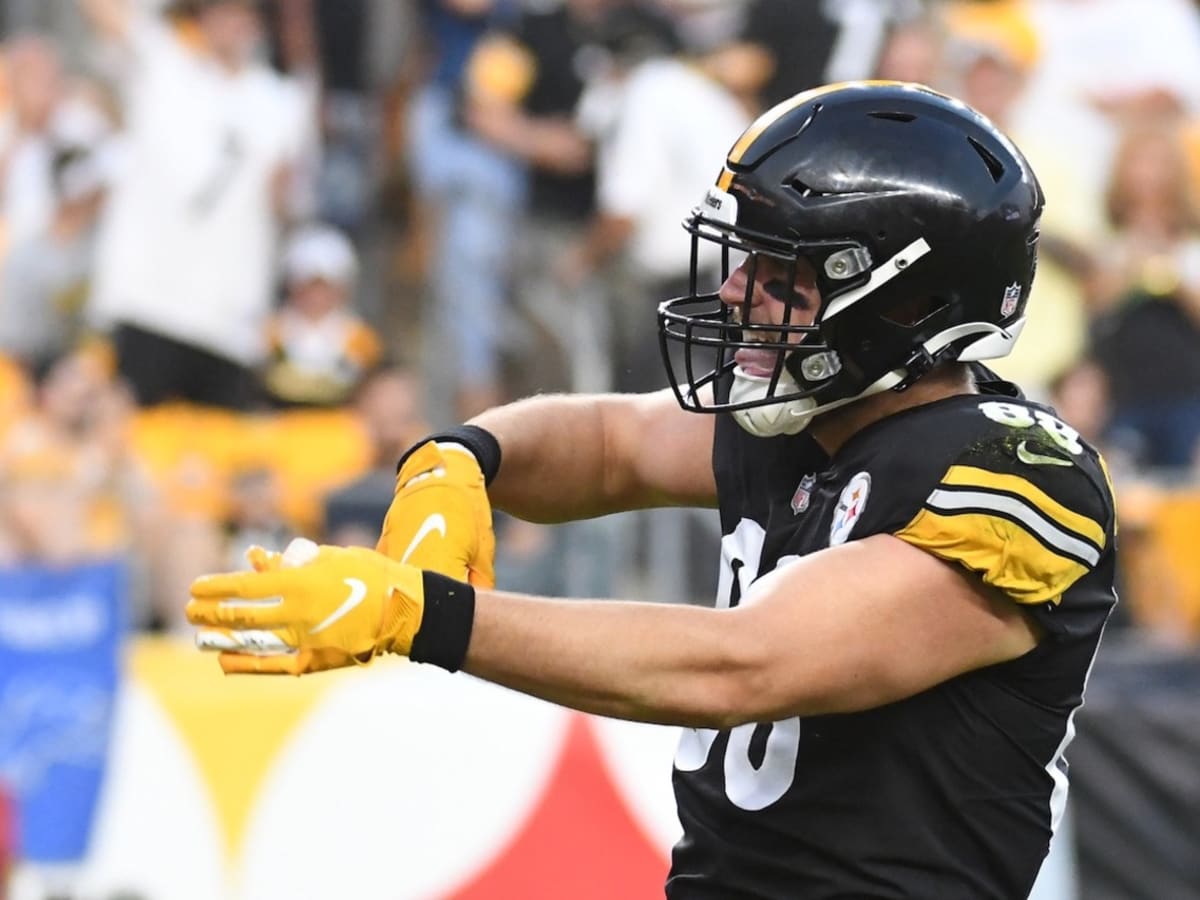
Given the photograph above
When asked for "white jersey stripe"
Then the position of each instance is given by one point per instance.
(1031, 518)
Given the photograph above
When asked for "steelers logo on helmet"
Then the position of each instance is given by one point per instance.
(911, 212)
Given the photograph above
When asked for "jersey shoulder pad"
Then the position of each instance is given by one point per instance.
(1024, 502)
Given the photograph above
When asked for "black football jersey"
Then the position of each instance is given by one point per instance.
(951, 793)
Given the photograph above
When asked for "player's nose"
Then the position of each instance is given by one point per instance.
(734, 289)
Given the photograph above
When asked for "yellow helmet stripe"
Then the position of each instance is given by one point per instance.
(772, 115)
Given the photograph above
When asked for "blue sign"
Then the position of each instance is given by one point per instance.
(60, 637)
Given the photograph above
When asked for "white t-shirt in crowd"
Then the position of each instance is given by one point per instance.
(187, 244)
(673, 128)
(1104, 48)
(27, 200)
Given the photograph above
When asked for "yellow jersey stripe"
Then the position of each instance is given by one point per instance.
(955, 502)
(1047, 506)
(1006, 556)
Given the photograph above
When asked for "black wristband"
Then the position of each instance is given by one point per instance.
(481, 442)
(446, 622)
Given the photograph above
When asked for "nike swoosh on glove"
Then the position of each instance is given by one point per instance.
(440, 518)
(310, 609)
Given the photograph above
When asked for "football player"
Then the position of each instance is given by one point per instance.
(917, 562)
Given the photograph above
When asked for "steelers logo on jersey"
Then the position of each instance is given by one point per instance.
(849, 508)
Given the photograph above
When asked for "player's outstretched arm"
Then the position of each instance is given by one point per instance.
(850, 628)
(854, 627)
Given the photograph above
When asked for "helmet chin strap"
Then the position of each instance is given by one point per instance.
(793, 416)
(788, 416)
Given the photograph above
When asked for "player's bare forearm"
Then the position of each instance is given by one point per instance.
(824, 634)
(673, 665)
(573, 457)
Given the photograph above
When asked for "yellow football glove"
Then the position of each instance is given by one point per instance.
(315, 608)
(262, 642)
(263, 560)
(440, 518)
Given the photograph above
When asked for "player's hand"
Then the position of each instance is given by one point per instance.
(309, 609)
(261, 560)
(440, 518)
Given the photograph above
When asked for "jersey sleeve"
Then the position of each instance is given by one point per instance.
(1029, 529)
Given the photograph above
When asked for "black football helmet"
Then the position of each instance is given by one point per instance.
(920, 219)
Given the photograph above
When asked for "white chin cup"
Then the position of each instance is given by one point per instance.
(773, 419)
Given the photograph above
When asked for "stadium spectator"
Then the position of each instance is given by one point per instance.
(54, 155)
(913, 51)
(1102, 61)
(1146, 292)
(799, 44)
(255, 516)
(1080, 394)
(659, 118)
(15, 392)
(350, 53)
(990, 51)
(702, 25)
(71, 488)
(184, 256)
(389, 404)
(910, 579)
(36, 89)
(318, 347)
(468, 195)
(523, 83)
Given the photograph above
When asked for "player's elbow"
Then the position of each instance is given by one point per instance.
(746, 694)
(768, 693)
(765, 677)
(751, 684)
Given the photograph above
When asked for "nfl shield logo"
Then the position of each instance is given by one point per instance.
(803, 494)
(1012, 296)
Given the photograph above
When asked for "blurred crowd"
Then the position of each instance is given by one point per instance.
(249, 251)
